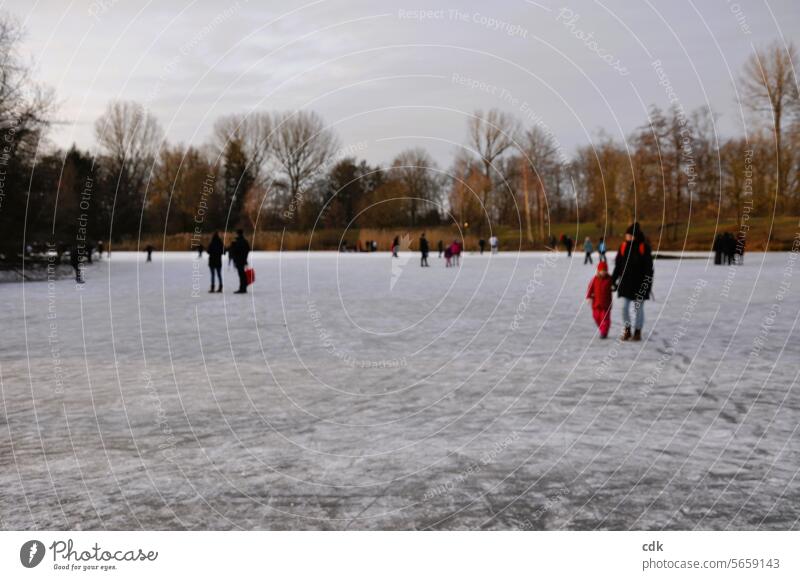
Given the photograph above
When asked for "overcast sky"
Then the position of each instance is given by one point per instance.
(387, 76)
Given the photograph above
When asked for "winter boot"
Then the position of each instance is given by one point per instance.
(637, 335)
(626, 333)
(212, 289)
(220, 288)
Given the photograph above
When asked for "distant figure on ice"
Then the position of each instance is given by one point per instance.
(215, 251)
(493, 243)
(455, 252)
(588, 248)
(448, 256)
(568, 243)
(76, 262)
(395, 247)
(599, 293)
(482, 245)
(441, 248)
(149, 249)
(200, 250)
(717, 249)
(100, 249)
(601, 249)
(423, 250)
(741, 240)
(729, 248)
(239, 251)
(633, 277)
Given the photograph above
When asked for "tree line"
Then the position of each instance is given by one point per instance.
(274, 170)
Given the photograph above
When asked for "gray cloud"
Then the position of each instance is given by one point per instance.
(383, 73)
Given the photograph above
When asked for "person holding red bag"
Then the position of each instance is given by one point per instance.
(600, 293)
(239, 251)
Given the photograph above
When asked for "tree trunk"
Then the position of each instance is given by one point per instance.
(527, 201)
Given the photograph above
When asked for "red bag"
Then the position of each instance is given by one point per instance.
(250, 274)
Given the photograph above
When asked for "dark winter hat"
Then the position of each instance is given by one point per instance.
(635, 230)
(602, 267)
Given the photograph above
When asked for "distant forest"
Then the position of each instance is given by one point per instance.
(266, 171)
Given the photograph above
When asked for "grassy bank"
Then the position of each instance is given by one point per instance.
(763, 234)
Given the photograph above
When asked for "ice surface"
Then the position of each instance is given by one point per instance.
(351, 391)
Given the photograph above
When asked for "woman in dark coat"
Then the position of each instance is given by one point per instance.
(215, 251)
(633, 278)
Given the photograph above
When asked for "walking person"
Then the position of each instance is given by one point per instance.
(76, 262)
(482, 245)
(633, 278)
(100, 249)
(600, 294)
(455, 251)
(588, 248)
(440, 245)
(423, 249)
(396, 247)
(149, 250)
(568, 244)
(215, 251)
(239, 251)
(717, 249)
(493, 244)
(601, 249)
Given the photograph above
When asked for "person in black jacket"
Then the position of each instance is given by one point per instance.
(633, 278)
(215, 251)
(568, 243)
(717, 249)
(423, 249)
(239, 250)
(729, 248)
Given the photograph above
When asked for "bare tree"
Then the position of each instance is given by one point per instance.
(416, 170)
(25, 106)
(25, 110)
(303, 148)
(538, 160)
(491, 134)
(253, 132)
(770, 86)
(130, 137)
(466, 184)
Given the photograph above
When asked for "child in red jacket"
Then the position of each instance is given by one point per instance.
(600, 294)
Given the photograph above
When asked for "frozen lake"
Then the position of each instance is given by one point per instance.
(346, 391)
